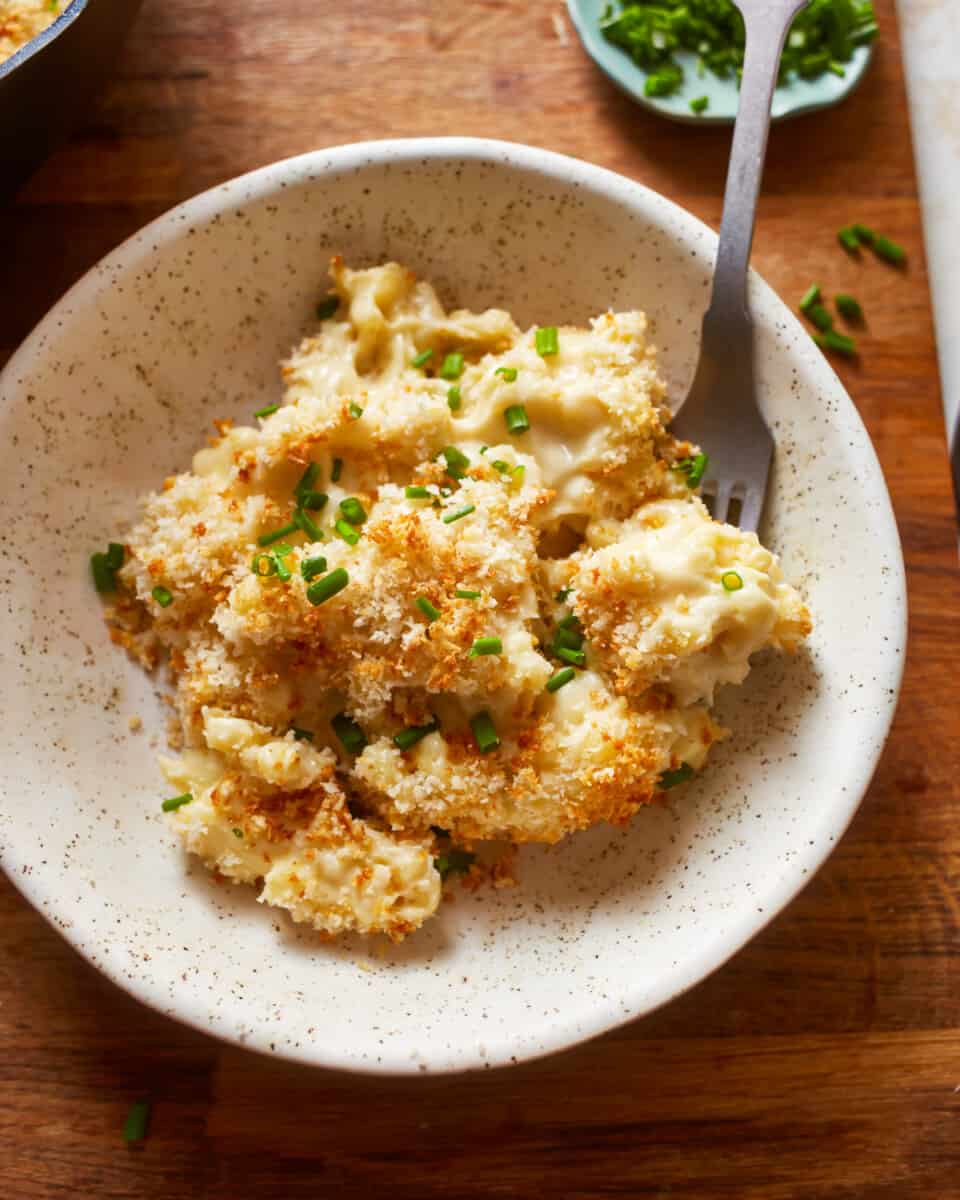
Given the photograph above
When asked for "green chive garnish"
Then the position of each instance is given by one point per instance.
(516, 419)
(322, 589)
(457, 462)
(428, 610)
(138, 1118)
(838, 342)
(460, 512)
(267, 539)
(412, 734)
(567, 638)
(421, 359)
(176, 802)
(731, 581)
(237, 833)
(355, 411)
(577, 657)
(116, 552)
(847, 237)
(848, 307)
(486, 645)
(484, 732)
(162, 596)
(452, 367)
(562, 595)
(509, 374)
(692, 468)
(810, 297)
(454, 399)
(314, 500)
(466, 594)
(699, 104)
(301, 735)
(263, 565)
(327, 307)
(865, 234)
(310, 568)
(307, 480)
(570, 621)
(547, 341)
(335, 469)
(268, 411)
(820, 317)
(884, 248)
(305, 522)
(353, 510)
(415, 491)
(104, 577)
(564, 675)
(454, 860)
(499, 465)
(349, 733)
(347, 532)
(670, 779)
(283, 571)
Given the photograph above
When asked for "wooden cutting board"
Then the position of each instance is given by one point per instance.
(824, 1061)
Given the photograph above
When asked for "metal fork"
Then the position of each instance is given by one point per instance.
(720, 412)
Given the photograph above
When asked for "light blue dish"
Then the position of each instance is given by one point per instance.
(798, 96)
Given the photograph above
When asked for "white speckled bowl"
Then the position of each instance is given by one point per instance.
(184, 323)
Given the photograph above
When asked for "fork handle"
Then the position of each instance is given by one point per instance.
(767, 23)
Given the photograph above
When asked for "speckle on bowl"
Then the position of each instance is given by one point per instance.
(185, 323)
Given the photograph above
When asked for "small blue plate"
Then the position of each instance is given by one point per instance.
(796, 97)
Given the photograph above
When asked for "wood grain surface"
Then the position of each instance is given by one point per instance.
(823, 1063)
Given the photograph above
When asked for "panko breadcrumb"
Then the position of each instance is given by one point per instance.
(452, 590)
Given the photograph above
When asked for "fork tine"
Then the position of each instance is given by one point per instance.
(721, 499)
(752, 509)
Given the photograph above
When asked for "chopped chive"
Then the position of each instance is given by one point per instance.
(454, 399)
(516, 419)
(104, 577)
(263, 565)
(163, 596)
(848, 239)
(349, 732)
(281, 550)
(568, 639)
(864, 233)
(562, 595)
(848, 307)
(307, 480)
(509, 374)
(457, 462)
(577, 657)
(267, 411)
(314, 500)
(466, 594)
(283, 571)
(412, 734)
(355, 411)
(310, 568)
(421, 359)
(820, 317)
(460, 512)
(810, 297)
(547, 341)
(454, 860)
(486, 645)
(346, 531)
(692, 468)
(564, 675)
(116, 552)
(308, 525)
(665, 82)
(302, 735)
(138, 1118)
(838, 342)
(442, 833)
(176, 802)
(836, 68)
(699, 104)
(267, 539)
(428, 609)
(237, 833)
(670, 779)
(335, 469)
(322, 589)
(886, 249)
(732, 581)
(519, 473)
(327, 307)
(499, 465)
(452, 367)
(570, 621)
(353, 510)
(416, 491)
(484, 732)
